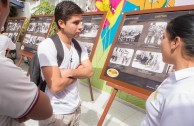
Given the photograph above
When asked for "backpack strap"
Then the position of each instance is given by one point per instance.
(60, 51)
(59, 48)
(78, 48)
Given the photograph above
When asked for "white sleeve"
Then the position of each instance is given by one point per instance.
(178, 110)
(84, 54)
(18, 95)
(47, 53)
(11, 45)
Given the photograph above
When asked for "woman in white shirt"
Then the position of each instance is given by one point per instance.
(172, 104)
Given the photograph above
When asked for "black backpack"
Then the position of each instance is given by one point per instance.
(35, 71)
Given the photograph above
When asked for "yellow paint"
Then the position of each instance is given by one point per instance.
(105, 6)
(150, 4)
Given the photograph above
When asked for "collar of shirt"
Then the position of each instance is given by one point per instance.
(182, 74)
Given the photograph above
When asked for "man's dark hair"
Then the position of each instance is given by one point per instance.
(4, 2)
(65, 10)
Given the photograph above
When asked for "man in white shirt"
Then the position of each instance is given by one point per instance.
(62, 81)
(20, 99)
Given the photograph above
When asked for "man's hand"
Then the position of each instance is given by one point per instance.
(66, 72)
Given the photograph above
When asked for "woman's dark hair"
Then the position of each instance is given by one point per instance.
(183, 26)
(65, 9)
(4, 2)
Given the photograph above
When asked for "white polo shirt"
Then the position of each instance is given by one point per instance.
(67, 100)
(172, 104)
(17, 96)
(5, 43)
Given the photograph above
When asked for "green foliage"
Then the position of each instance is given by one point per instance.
(23, 30)
(45, 8)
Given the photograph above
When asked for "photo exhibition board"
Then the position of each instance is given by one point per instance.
(92, 26)
(135, 60)
(14, 27)
(37, 30)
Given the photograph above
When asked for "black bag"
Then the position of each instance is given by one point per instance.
(35, 71)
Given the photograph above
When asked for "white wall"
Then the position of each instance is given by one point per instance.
(27, 10)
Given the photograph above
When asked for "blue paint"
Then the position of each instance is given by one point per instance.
(128, 7)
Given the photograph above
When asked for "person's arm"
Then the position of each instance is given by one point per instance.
(20, 97)
(47, 55)
(11, 45)
(55, 81)
(83, 71)
(42, 109)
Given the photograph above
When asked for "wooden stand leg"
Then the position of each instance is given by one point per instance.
(28, 73)
(20, 60)
(107, 107)
(90, 88)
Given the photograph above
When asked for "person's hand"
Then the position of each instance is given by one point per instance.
(80, 66)
(66, 72)
(21, 120)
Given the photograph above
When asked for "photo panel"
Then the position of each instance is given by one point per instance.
(37, 30)
(135, 60)
(14, 27)
(92, 26)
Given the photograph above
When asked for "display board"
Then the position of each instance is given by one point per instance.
(135, 60)
(92, 26)
(14, 27)
(37, 30)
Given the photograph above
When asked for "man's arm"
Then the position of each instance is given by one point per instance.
(83, 71)
(54, 80)
(42, 109)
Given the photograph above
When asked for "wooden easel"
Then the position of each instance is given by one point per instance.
(115, 90)
(90, 88)
(27, 54)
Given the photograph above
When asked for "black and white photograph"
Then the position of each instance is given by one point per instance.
(38, 28)
(155, 33)
(147, 60)
(169, 68)
(27, 39)
(14, 37)
(33, 40)
(89, 47)
(18, 26)
(10, 35)
(130, 34)
(11, 26)
(121, 56)
(31, 27)
(89, 30)
(45, 27)
(39, 40)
